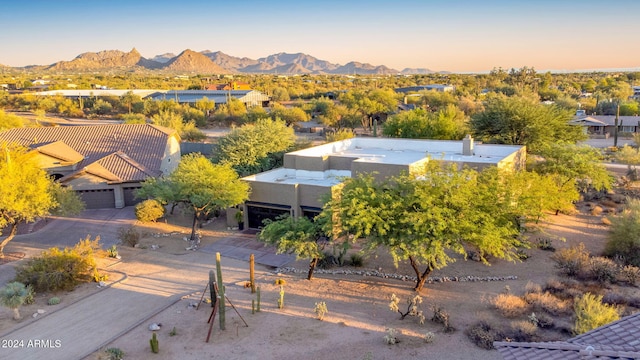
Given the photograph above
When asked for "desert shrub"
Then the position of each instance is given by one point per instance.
(390, 337)
(53, 301)
(510, 305)
(532, 288)
(320, 309)
(548, 303)
(595, 211)
(57, 269)
(591, 313)
(149, 210)
(629, 274)
(602, 270)
(571, 261)
(546, 244)
(634, 301)
(541, 320)
(483, 334)
(613, 298)
(357, 260)
(31, 296)
(624, 235)
(428, 337)
(129, 235)
(441, 316)
(115, 353)
(521, 330)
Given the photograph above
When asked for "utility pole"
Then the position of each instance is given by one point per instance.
(615, 130)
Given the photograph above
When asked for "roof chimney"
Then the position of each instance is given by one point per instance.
(467, 145)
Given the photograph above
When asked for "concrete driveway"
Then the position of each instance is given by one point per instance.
(67, 231)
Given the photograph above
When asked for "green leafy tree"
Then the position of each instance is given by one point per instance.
(10, 121)
(205, 105)
(289, 115)
(257, 147)
(368, 104)
(520, 121)
(422, 219)
(204, 187)
(299, 236)
(624, 235)
(129, 101)
(339, 135)
(169, 119)
(280, 94)
(134, 118)
(449, 123)
(27, 192)
(591, 313)
(577, 166)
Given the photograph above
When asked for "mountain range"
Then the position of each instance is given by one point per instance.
(209, 62)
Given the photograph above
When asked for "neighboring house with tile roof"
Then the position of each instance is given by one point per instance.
(105, 164)
(617, 340)
(606, 124)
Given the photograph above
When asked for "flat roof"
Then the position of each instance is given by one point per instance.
(292, 176)
(408, 151)
(381, 151)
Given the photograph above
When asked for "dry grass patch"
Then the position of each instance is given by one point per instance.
(549, 303)
(509, 305)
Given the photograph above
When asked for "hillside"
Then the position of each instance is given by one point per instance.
(209, 62)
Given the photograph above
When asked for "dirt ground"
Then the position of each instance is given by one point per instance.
(358, 306)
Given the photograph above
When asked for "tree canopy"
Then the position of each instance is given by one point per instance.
(521, 121)
(300, 236)
(257, 147)
(424, 216)
(449, 123)
(201, 185)
(27, 192)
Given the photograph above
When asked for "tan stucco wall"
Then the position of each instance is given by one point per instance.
(379, 171)
(273, 193)
(171, 157)
(310, 195)
(340, 162)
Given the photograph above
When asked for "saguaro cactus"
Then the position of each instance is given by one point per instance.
(258, 299)
(252, 274)
(212, 288)
(221, 292)
(154, 344)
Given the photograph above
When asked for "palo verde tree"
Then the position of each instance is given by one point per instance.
(425, 216)
(203, 186)
(578, 167)
(300, 236)
(448, 123)
(27, 192)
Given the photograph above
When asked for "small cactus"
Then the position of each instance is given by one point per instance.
(258, 299)
(53, 301)
(154, 344)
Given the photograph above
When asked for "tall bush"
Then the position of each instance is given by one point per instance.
(57, 269)
(624, 235)
(149, 210)
(591, 313)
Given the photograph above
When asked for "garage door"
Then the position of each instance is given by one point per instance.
(98, 199)
(129, 196)
(258, 213)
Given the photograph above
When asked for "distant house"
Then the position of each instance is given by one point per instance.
(418, 88)
(234, 85)
(617, 340)
(104, 164)
(604, 125)
(248, 97)
(636, 92)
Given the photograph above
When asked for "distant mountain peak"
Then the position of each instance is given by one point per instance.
(217, 62)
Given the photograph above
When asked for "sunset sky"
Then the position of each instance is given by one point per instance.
(452, 35)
